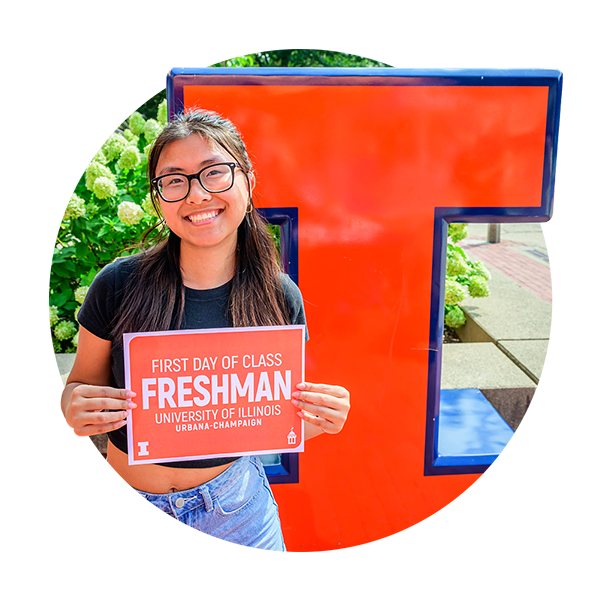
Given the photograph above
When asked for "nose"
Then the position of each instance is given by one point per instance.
(197, 193)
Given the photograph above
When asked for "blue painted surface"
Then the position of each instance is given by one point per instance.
(284, 468)
(413, 76)
(287, 220)
(469, 430)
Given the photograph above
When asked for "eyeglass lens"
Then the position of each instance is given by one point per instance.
(176, 186)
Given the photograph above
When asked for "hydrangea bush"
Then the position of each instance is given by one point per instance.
(463, 277)
(105, 218)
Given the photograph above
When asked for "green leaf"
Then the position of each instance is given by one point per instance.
(87, 279)
(69, 308)
(460, 251)
(64, 270)
(60, 298)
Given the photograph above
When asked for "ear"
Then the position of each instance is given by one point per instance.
(251, 182)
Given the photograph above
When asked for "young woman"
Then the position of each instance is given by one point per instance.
(218, 267)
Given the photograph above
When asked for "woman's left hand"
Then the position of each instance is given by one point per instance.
(324, 406)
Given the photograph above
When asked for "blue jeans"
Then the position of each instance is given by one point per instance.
(236, 506)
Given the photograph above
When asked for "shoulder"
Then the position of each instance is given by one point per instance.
(104, 296)
(119, 270)
(294, 301)
(291, 291)
(112, 278)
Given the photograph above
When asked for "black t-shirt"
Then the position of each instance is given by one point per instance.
(203, 309)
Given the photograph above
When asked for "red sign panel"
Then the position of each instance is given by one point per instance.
(214, 392)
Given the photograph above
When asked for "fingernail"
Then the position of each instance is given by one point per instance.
(130, 394)
(132, 405)
(295, 402)
(301, 386)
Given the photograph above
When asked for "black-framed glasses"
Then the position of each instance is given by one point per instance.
(216, 178)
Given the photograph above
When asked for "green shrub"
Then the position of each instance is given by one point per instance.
(301, 58)
(463, 277)
(105, 218)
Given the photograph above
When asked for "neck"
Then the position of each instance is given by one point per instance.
(206, 268)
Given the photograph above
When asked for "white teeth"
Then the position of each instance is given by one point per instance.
(203, 216)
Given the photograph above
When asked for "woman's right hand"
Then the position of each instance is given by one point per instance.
(94, 409)
(89, 403)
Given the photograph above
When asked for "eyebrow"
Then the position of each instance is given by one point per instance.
(204, 163)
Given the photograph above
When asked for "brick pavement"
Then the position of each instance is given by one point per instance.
(506, 258)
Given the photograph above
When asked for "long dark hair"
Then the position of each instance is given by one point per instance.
(154, 295)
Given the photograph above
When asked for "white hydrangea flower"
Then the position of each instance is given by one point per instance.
(130, 136)
(113, 146)
(454, 292)
(104, 188)
(65, 330)
(130, 213)
(478, 287)
(456, 264)
(100, 157)
(53, 316)
(152, 129)
(95, 170)
(480, 270)
(136, 123)
(162, 115)
(80, 293)
(75, 207)
(130, 158)
(148, 206)
(455, 317)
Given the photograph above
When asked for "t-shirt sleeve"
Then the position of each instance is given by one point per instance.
(293, 298)
(97, 311)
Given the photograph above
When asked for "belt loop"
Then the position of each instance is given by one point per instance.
(208, 503)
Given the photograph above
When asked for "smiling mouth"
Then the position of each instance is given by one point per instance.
(203, 217)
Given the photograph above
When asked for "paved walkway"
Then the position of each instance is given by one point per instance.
(521, 255)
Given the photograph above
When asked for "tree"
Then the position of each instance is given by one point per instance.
(300, 58)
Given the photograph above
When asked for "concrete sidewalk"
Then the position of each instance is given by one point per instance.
(506, 334)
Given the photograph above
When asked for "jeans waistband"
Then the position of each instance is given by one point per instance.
(178, 503)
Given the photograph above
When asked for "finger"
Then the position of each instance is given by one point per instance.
(104, 391)
(87, 430)
(314, 408)
(311, 417)
(98, 418)
(321, 400)
(320, 422)
(108, 417)
(323, 388)
(101, 398)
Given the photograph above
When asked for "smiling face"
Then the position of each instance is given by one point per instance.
(204, 220)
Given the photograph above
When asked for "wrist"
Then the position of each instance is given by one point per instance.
(311, 431)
